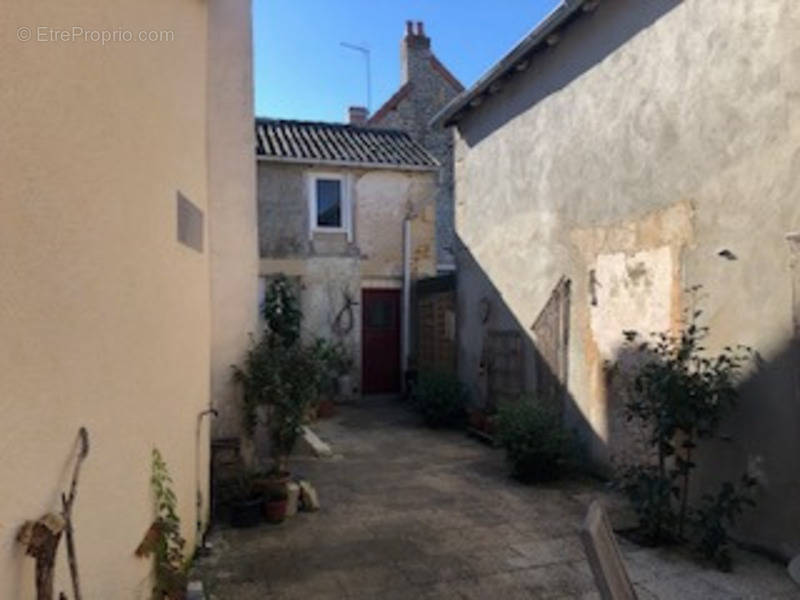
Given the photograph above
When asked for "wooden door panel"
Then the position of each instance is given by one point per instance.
(380, 333)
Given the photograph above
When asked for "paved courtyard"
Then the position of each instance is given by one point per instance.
(412, 513)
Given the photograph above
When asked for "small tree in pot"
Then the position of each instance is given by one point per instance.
(292, 389)
(335, 366)
(280, 373)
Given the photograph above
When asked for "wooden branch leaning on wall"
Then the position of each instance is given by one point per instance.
(67, 501)
(41, 537)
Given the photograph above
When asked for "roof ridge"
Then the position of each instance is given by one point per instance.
(330, 124)
(391, 103)
(440, 67)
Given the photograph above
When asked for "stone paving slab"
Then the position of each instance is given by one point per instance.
(410, 513)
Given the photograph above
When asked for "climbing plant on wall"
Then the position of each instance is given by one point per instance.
(163, 539)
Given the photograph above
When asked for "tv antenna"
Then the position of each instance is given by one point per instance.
(365, 51)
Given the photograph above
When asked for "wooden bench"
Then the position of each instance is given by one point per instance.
(604, 556)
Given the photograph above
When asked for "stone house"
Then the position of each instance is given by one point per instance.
(427, 86)
(622, 152)
(128, 268)
(349, 210)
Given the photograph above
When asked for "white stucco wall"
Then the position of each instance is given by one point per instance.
(233, 225)
(105, 316)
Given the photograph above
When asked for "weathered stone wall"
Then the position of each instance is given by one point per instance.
(430, 92)
(329, 266)
(380, 201)
(383, 201)
(626, 158)
(282, 211)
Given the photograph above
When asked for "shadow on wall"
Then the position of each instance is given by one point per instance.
(483, 314)
(585, 43)
(765, 434)
(760, 437)
(764, 428)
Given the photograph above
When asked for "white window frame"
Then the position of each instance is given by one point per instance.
(347, 221)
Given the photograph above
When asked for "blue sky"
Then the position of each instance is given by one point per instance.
(302, 72)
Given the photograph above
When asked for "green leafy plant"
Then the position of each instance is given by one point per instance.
(245, 488)
(651, 493)
(284, 374)
(537, 447)
(716, 513)
(163, 539)
(293, 389)
(287, 381)
(257, 375)
(281, 310)
(334, 361)
(441, 399)
(280, 372)
(680, 395)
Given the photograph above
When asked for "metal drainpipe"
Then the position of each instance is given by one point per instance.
(406, 296)
(200, 531)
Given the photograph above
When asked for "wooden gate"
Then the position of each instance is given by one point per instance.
(551, 336)
(505, 366)
(436, 324)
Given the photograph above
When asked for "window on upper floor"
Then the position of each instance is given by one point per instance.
(329, 204)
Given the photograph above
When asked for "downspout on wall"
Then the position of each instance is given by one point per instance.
(405, 334)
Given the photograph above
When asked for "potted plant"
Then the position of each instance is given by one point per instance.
(275, 504)
(283, 374)
(246, 506)
(343, 367)
(292, 392)
(335, 366)
(477, 419)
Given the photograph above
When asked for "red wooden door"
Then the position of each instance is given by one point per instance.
(380, 341)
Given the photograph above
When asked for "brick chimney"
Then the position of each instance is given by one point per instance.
(357, 115)
(415, 50)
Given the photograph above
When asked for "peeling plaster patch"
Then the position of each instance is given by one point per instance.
(666, 231)
(633, 281)
(633, 292)
(638, 273)
(671, 226)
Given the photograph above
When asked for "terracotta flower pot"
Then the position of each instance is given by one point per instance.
(275, 510)
(489, 425)
(477, 420)
(326, 409)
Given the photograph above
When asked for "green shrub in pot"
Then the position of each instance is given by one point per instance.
(441, 399)
(537, 447)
